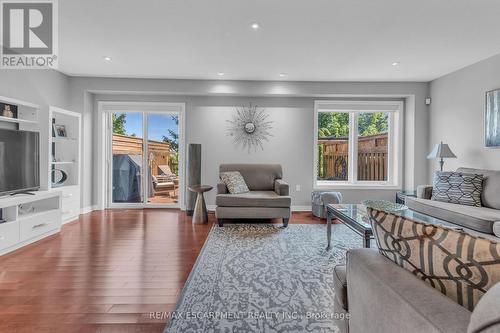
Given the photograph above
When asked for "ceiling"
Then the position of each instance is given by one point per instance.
(313, 40)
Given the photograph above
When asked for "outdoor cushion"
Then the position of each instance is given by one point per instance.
(234, 182)
(461, 266)
(459, 188)
(253, 199)
(491, 186)
(480, 219)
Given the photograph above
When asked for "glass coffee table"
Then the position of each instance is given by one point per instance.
(356, 218)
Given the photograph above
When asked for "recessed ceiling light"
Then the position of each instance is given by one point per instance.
(255, 26)
(282, 74)
(220, 74)
(107, 58)
(395, 63)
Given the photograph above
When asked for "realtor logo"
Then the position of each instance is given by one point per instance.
(29, 34)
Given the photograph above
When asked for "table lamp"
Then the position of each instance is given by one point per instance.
(441, 151)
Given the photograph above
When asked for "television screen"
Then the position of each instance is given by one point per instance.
(19, 161)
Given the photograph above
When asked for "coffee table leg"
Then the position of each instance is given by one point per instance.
(366, 242)
(328, 229)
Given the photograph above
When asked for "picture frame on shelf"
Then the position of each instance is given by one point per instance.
(8, 110)
(59, 131)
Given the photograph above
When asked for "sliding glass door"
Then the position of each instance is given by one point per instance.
(144, 159)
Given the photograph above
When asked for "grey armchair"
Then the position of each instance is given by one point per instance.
(268, 196)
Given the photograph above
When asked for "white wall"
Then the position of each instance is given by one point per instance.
(457, 115)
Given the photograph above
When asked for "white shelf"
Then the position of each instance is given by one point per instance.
(17, 120)
(36, 213)
(63, 162)
(62, 139)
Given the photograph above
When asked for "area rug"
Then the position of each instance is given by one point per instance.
(263, 278)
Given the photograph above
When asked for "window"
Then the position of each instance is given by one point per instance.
(358, 143)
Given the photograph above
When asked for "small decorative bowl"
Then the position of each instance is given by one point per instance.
(385, 206)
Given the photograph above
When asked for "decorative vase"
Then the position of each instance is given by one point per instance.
(7, 112)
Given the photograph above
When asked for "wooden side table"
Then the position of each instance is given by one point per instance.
(200, 215)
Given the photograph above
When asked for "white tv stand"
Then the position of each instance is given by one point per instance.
(25, 225)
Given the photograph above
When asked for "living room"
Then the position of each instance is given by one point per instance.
(206, 167)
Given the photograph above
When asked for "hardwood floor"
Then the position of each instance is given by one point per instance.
(107, 272)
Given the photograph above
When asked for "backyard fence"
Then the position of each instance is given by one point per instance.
(372, 158)
(159, 151)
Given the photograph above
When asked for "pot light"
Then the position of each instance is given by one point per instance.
(395, 63)
(282, 74)
(220, 74)
(255, 26)
(107, 58)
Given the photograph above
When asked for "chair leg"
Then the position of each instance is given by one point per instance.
(285, 222)
(221, 222)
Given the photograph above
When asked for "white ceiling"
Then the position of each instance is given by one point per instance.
(309, 40)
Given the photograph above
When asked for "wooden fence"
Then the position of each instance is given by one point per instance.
(372, 158)
(159, 151)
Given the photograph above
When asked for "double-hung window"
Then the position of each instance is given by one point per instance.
(358, 144)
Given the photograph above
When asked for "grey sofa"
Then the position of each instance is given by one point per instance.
(380, 296)
(268, 196)
(483, 221)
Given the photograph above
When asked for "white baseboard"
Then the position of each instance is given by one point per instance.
(89, 209)
(301, 208)
(211, 208)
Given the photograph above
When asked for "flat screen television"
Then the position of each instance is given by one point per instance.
(19, 161)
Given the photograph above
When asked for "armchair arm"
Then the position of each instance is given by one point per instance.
(424, 191)
(221, 188)
(281, 187)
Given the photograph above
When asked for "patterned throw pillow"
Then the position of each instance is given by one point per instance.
(234, 182)
(461, 266)
(457, 188)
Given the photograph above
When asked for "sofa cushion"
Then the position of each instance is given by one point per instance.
(234, 182)
(461, 266)
(253, 199)
(486, 317)
(259, 177)
(340, 285)
(491, 186)
(384, 297)
(480, 219)
(458, 188)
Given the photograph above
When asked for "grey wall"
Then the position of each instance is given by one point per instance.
(457, 114)
(44, 88)
(210, 103)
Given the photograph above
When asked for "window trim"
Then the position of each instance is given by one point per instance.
(395, 143)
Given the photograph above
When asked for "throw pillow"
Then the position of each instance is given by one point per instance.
(461, 266)
(458, 188)
(234, 182)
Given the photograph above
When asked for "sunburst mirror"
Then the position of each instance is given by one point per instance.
(250, 127)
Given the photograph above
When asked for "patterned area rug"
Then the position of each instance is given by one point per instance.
(263, 278)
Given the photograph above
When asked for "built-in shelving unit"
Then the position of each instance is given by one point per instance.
(28, 218)
(26, 117)
(65, 155)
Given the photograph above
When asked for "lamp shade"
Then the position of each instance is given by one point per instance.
(441, 150)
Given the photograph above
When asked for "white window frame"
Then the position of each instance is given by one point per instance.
(395, 143)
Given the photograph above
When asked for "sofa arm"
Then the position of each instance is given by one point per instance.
(221, 188)
(424, 192)
(281, 187)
